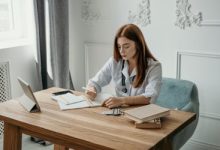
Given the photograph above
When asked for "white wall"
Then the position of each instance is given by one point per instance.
(96, 21)
(21, 64)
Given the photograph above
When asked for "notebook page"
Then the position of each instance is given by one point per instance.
(68, 98)
(100, 98)
(82, 104)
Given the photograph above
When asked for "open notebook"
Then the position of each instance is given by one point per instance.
(70, 101)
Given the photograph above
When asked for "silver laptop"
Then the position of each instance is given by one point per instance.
(28, 100)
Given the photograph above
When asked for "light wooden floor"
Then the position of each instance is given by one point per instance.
(27, 144)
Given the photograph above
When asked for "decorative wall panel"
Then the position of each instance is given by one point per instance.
(142, 15)
(185, 18)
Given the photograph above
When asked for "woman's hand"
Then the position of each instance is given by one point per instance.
(113, 102)
(91, 92)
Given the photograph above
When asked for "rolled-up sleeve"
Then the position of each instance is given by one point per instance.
(103, 76)
(154, 80)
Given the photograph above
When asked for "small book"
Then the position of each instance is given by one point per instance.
(153, 124)
(146, 113)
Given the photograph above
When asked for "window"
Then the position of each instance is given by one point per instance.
(6, 21)
(16, 20)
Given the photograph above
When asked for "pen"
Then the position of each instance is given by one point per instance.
(88, 100)
(88, 89)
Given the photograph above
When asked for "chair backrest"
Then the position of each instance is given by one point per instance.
(180, 94)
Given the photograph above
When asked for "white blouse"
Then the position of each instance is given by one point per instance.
(112, 70)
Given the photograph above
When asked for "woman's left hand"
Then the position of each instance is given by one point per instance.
(113, 102)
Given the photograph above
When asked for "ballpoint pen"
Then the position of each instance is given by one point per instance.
(88, 100)
(88, 89)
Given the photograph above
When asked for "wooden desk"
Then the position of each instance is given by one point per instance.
(84, 128)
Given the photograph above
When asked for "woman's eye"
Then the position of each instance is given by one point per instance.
(126, 47)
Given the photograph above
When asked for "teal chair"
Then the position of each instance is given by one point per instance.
(181, 95)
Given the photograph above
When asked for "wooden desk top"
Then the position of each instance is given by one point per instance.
(87, 127)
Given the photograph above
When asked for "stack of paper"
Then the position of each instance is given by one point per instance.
(70, 101)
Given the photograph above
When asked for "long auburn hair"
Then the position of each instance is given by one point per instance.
(132, 32)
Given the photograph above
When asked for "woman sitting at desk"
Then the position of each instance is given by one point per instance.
(135, 72)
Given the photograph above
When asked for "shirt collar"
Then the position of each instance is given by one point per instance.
(125, 70)
(134, 72)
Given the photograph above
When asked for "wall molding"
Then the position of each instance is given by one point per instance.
(213, 116)
(198, 143)
(210, 23)
(142, 15)
(93, 63)
(185, 18)
(87, 45)
(196, 54)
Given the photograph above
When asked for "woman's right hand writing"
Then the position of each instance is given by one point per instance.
(91, 92)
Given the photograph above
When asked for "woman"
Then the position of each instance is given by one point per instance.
(135, 72)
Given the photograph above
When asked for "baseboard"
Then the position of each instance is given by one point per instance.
(200, 145)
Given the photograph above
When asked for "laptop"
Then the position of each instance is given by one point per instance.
(28, 100)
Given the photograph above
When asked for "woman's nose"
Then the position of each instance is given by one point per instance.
(121, 50)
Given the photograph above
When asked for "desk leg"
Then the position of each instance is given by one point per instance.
(12, 137)
(60, 147)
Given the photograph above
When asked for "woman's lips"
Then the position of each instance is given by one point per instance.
(123, 55)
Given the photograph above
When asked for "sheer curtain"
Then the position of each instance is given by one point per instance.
(52, 32)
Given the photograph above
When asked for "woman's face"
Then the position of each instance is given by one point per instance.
(126, 48)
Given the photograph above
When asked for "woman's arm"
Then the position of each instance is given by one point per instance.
(130, 100)
(102, 78)
(91, 92)
(154, 79)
